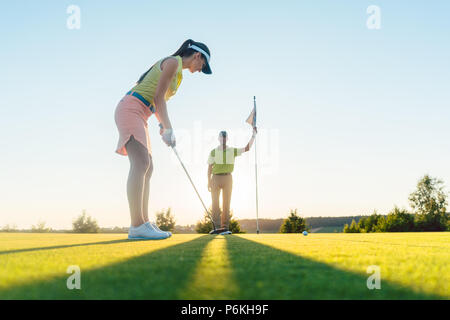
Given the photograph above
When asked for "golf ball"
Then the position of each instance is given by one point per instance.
(305, 233)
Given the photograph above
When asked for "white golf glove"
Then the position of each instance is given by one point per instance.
(168, 137)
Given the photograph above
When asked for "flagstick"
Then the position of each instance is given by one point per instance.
(256, 178)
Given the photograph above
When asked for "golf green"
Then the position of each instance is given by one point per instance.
(248, 266)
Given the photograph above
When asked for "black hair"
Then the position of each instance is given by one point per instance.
(223, 134)
(144, 74)
(183, 51)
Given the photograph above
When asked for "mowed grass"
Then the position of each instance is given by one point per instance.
(248, 266)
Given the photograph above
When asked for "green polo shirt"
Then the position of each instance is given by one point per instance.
(223, 160)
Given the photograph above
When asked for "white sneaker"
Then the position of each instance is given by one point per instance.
(145, 232)
(155, 226)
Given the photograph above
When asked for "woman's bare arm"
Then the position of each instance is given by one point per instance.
(169, 68)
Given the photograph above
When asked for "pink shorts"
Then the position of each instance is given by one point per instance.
(131, 117)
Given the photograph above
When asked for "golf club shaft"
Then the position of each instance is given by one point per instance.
(176, 153)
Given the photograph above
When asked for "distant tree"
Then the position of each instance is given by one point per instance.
(381, 224)
(371, 222)
(317, 222)
(353, 228)
(429, 202)
(361, 225)
(165, 220)
(294, 223)
(185, 229)
(346, 228)
(85, 224)
(398, 220)
(9, 228)
(117, 229)
(40, 228)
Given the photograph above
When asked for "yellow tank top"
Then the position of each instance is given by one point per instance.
(147, 86)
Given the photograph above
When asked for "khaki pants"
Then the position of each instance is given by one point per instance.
(224, 183)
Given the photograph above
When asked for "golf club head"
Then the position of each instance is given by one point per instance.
(218, 231)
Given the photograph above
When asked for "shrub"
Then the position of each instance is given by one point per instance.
(294, 223)
(235, 227)
(85, 224)
(205, 225)
(165, 220)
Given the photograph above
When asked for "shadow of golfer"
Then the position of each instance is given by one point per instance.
(155, 275)
(264, 272)
(66, 246)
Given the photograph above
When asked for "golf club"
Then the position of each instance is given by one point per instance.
(214, 231)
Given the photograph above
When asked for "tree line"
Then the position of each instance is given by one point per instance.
(429, 204)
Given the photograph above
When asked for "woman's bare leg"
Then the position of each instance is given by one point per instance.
(139, 165)
(147, 189)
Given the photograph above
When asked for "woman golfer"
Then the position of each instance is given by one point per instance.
(221, 165)
(149, 97)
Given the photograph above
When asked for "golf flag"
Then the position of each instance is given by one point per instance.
(251, 120)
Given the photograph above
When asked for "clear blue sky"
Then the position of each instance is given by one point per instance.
(349, 118)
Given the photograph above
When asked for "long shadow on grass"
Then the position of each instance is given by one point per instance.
(64, 246)
(263, 272)
(156, 275)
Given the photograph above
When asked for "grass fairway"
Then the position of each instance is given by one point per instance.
(249, 266)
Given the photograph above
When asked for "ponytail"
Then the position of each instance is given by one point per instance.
(183, 51)
(143, 75)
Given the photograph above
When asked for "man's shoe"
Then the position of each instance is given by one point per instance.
(218, 231)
